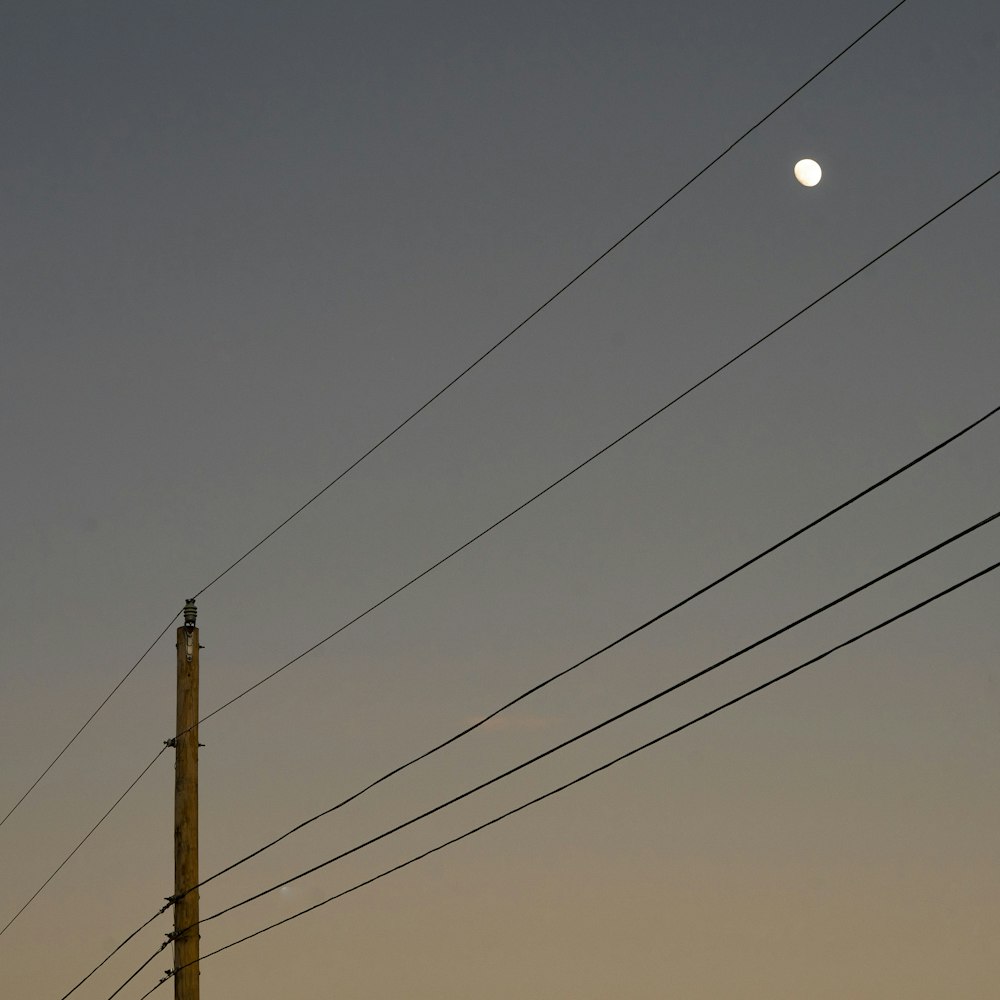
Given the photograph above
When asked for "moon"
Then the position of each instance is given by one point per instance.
(808, 173)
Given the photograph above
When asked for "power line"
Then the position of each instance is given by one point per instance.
(620, 715)
(93, 714)
(562, 673)
(469, 368)
(607, 447)
(583, 777)
(59, 867)
(569, 284)
(537, 687)
(111, 955)
(170, 972)
(597, 454)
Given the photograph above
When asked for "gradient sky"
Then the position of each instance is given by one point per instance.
(242, 241)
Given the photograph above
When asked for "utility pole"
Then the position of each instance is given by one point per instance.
(186, 935)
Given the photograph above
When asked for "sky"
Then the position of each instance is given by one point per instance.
(243, 241)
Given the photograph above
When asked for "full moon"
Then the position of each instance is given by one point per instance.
(808, 173)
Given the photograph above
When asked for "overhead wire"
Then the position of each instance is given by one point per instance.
(664, 692)
(562, 673)
(90, 719)
(552, 298)
(597, 454)
(472, 727)
(62, 863)
(112, 954)
(345, 472)
(470, 367)
(588, 774)
(642, 423)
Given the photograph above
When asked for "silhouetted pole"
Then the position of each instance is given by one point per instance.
(186, 936)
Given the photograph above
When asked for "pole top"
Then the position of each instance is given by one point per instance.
(190, 613)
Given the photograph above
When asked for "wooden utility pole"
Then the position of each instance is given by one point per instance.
(186, 936)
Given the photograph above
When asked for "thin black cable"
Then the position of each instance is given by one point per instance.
(52, 763)
(562, 673)
(59, 867)
(525, 694)
(562, 479)
(159, 913)
(607, 447)
(469, 368)
(609, 721)
(652, 416)
(170, 972)
(589, 774)
(556, 295)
